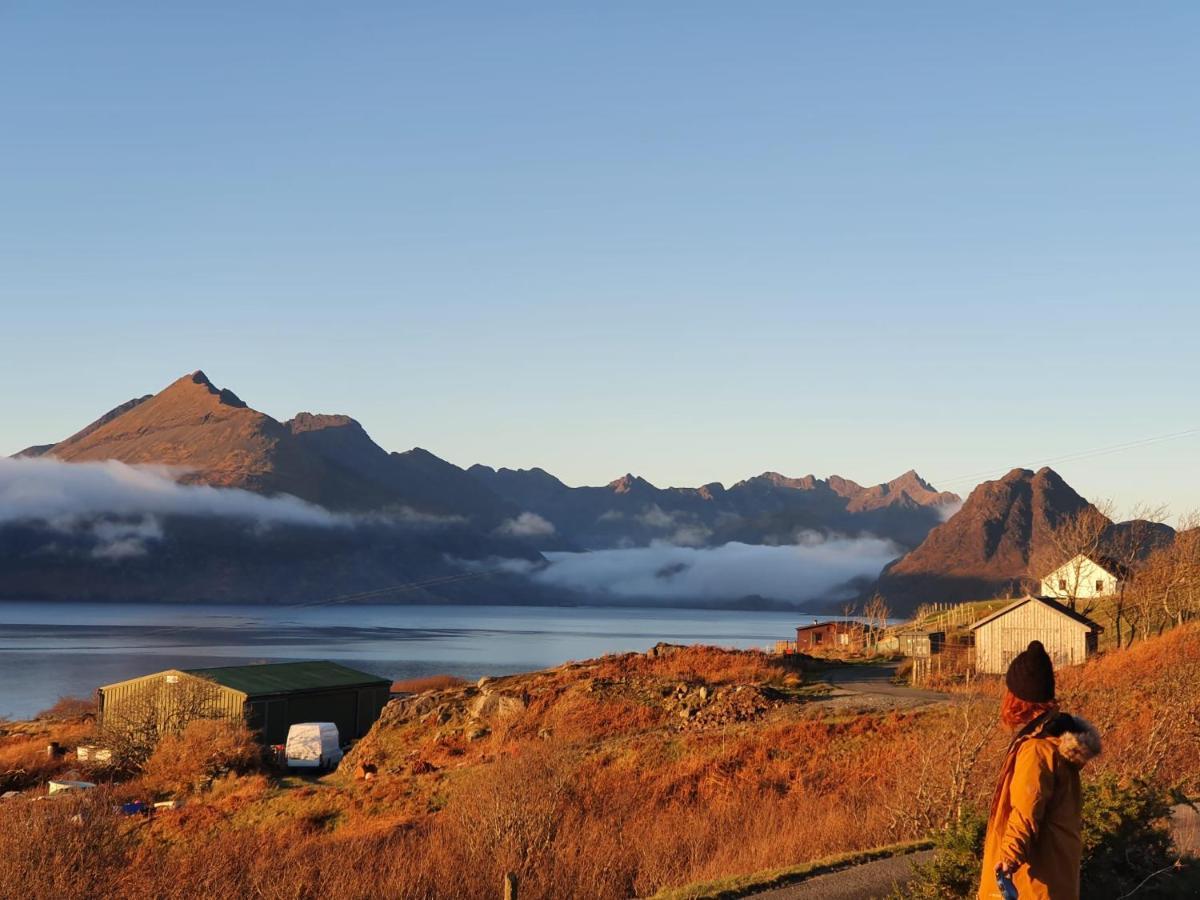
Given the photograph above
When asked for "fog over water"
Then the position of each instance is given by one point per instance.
(48, 650)
(815, 567)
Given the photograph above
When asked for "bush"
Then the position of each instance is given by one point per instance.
(69, 708)
(207, 749)
(954, 869)
(1125, 836)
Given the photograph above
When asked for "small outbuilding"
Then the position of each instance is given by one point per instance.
(270, 697)
(833, 635)
(921, 643)
(1069, 637)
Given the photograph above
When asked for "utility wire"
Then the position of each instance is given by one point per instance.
(975, 477)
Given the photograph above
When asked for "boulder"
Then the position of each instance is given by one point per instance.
(492, 704)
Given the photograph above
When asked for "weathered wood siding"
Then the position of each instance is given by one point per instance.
(998, 641)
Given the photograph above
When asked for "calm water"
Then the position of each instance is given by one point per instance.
(48, 650)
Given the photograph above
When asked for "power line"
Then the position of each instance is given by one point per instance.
(975, 477)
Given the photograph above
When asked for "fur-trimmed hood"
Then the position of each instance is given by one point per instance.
(1077, 739)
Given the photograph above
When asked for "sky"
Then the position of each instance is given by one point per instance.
(694, 241)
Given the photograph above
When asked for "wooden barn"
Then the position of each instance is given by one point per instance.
(268, 697)
(833, 635)
(1069, 637)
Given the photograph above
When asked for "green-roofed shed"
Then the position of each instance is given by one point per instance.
(270, 697)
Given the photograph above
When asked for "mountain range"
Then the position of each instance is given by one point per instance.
(210, 436)
(415, 516)
(766, 509)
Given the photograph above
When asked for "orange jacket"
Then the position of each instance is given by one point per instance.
(1036, 817)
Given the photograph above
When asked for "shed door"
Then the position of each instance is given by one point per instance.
(276, 728)
(256, 716)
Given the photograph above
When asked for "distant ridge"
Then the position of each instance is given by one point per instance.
(768, 508)
(986, 548)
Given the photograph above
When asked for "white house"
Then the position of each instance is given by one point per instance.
(1084, 577)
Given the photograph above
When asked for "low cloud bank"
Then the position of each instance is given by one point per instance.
(527, 524)
(814, 568)
(62, 493)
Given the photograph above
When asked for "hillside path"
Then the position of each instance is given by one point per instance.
(870, 880)
(875, 680)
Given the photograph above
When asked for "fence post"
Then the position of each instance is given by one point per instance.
(510, 886)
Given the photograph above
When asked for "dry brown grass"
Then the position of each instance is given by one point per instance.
(596, 790)
(206, 749)
(23, 760)
(1146, 702)
(701, 663)
(427, 683)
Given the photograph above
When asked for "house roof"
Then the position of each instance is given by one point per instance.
(844, 623)
(287, 678)
(1060, 608)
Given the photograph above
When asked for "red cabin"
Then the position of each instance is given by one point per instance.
(834, 635)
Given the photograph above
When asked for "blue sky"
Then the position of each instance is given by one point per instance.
(695, 241)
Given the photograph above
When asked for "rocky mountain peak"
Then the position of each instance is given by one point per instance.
(304, 422)
(988, 545)
(629, 482)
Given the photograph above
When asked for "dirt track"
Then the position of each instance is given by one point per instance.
(870, 880)
(876, 680)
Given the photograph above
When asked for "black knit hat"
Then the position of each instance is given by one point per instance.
(1031, 675)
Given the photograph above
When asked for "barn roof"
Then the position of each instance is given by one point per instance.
(1057, 607)
(287, 678)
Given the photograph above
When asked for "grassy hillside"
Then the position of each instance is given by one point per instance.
(610, 778)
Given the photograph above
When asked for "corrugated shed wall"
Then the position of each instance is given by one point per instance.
(169, 698)
(998, 641)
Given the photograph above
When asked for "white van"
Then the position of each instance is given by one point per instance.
(313, 745)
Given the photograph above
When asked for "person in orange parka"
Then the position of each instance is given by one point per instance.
(1034, 829)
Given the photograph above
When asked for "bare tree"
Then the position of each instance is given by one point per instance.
(132, 728)
(942, 772)
(1165, 588)
(1128, 545)
(876, 612)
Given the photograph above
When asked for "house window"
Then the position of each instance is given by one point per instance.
(1099, 586)
(843, 638)
(1062, 584)
(816, 638)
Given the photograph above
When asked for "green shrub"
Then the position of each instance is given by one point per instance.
(1125, 837)
(954, 869)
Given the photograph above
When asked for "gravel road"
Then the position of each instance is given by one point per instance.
(874, 680)
(870, 880)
